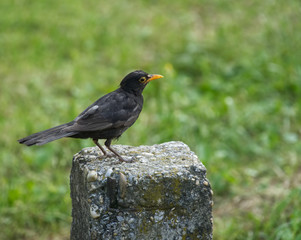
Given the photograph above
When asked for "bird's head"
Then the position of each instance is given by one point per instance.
(137, 80)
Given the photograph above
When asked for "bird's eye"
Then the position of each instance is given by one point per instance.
(142, 79)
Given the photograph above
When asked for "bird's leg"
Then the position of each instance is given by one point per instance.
(108, 145)
(100, 147)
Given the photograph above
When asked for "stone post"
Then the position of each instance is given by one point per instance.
(163, 194)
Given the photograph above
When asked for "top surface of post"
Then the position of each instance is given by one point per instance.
(148, 159)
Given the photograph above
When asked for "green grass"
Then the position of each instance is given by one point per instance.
(231, 92)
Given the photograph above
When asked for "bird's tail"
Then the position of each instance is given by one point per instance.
(47, 136)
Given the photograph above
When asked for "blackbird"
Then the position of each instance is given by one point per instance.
(107, 118)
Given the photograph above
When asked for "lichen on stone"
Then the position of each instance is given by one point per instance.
(163, 194)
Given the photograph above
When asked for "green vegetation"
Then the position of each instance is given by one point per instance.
(231, 92)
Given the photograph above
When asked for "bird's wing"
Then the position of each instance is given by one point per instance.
(113, 110)
(90, 120)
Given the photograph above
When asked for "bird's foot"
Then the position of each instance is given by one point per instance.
(121, 159)
(104, 156)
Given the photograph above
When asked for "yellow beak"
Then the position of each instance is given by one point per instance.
(153, 77)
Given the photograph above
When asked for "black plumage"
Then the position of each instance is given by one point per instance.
(107, 118)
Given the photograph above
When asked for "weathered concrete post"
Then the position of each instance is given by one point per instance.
(164, 194)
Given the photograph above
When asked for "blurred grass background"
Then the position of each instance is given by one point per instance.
(231, 92)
